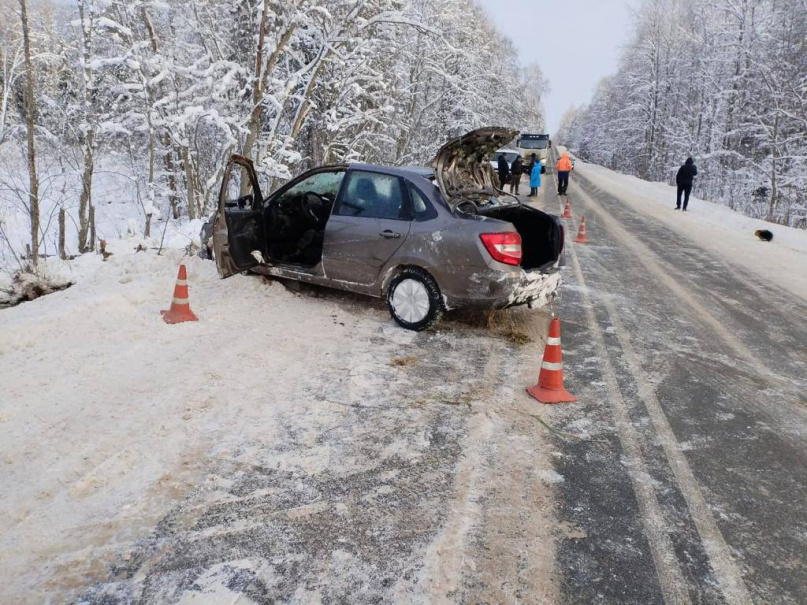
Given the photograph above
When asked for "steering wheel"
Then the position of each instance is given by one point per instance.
(310, 209)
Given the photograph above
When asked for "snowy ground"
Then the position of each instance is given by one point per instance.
(290, 446)
(714, 227)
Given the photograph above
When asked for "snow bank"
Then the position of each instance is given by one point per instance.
(714, 227)
(282, 409)
(106, 410)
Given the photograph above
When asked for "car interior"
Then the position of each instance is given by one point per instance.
(294, 222)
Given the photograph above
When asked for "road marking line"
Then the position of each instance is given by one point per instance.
(722, 562)
(671, 579)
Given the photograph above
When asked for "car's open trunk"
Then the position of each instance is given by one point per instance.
(541, 233)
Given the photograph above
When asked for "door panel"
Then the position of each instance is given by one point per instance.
(245, 234)
(238, 228)
(369, 223)
(357, 248)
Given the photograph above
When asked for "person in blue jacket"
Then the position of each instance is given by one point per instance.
(535, 178)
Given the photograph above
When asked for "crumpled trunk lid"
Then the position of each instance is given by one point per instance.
(461, 167)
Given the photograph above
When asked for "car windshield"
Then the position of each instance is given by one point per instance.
(533, 143)
(323, 183)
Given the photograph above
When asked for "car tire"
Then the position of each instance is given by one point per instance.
(543, 169)
(414, 299)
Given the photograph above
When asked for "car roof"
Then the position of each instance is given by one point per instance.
(406, 171)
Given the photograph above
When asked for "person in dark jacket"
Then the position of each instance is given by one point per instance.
(686, 175)
(503, 168)
(516, 170)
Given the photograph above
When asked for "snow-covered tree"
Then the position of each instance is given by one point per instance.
(723, 81)
(165, 92)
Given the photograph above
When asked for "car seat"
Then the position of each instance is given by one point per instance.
(366, 196)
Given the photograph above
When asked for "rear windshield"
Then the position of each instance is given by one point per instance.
(533, 143)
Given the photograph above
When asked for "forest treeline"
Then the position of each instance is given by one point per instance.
(177, 87)
(724, 81)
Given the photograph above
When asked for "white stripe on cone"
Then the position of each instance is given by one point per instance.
(552, 341)
(182, 282)
(555, 367)
(180, 301)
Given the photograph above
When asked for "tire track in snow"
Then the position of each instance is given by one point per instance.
(720, 557)
(446, 555)
(671, 579)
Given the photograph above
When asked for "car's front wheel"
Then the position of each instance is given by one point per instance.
(414, 300)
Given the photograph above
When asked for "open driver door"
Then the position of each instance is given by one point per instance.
(238, 239)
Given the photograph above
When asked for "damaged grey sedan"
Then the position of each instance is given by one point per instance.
(425, 239)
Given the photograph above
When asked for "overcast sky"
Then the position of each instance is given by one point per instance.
(576, 42)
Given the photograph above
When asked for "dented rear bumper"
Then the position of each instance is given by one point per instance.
(497, 289)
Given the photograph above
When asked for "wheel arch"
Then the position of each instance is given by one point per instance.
(396, 270)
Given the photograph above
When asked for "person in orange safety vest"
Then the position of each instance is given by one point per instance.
(563, 167)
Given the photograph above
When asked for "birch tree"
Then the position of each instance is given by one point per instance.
(30, 125)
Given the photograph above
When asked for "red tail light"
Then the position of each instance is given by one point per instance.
(503, 247)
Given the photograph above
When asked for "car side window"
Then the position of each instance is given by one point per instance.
(422, 208)
(373, 195)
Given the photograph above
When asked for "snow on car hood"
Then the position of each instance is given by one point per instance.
(461, 167)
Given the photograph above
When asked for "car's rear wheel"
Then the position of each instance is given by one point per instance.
(414, 300)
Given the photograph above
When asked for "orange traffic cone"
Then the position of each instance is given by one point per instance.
(550, 380)
(180, 307)
(581, 235)
(567, 211)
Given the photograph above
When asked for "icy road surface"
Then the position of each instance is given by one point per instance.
(692, 369)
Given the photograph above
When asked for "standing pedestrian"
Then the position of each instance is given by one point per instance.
(533, 160)
(684, 179)
(516, 170)
(535, 179)
(564, 167)
(503, 168)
